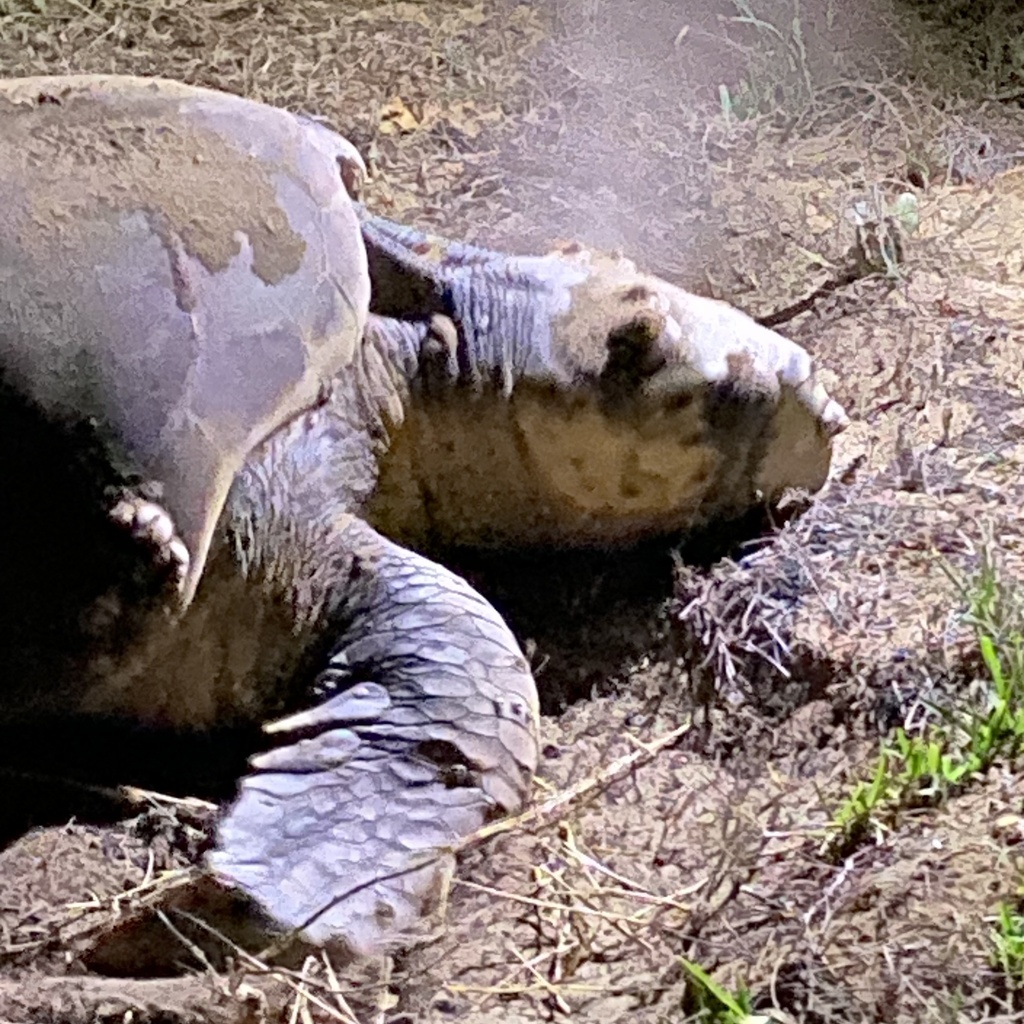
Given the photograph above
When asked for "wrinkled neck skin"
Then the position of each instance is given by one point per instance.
(418, 400)
(323, 466)
(504, 307)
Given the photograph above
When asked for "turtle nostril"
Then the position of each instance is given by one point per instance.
(638, 293)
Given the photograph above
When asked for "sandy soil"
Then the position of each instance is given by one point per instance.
(519, 125)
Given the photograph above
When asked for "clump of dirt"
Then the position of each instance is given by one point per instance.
(868, 218)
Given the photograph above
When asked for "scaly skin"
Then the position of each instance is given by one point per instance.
(430, 733)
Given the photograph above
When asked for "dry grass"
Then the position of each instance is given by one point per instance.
(971, 46)
(425, 91)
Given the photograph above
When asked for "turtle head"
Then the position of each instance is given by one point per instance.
(668, 409)
(597, 405)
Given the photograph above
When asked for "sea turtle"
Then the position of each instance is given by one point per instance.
(491, 400)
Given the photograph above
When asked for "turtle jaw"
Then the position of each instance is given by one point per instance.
(610, 479)
(699, 414)
(761, 404)
(704, 341)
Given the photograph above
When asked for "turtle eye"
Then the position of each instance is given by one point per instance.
(634, 355)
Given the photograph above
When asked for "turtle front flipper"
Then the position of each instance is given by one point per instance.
(425, 731)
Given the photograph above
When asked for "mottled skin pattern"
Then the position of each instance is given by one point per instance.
(492, 400)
